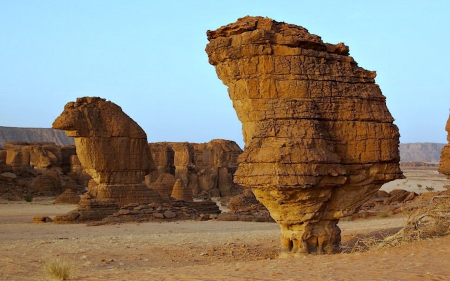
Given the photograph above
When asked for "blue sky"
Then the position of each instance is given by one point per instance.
(148, 57)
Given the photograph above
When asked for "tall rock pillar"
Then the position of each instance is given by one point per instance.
(319, 139)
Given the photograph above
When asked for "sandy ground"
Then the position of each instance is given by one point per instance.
(417, 179)
(188, 250)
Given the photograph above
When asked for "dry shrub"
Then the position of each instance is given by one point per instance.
(58, 270)
(429, 221)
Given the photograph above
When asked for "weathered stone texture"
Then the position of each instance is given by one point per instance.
(113, 149)
(205, 168)
(319, 139)
(68, 197)
(444, 164)
(181, 192)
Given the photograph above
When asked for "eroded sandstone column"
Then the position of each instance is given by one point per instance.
(319, 139)
(112, 148)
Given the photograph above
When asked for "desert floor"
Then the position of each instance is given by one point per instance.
(418, 179)
(209, 250)
(188, 250)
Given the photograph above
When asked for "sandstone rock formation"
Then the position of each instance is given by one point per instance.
(68, 197)
(41, 169)
(205, 168)
(444, 165)
(111, 147)
(181, 192)
(319, 139)
(245, 207)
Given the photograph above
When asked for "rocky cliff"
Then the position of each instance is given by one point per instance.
(421, 152)
(33, 135)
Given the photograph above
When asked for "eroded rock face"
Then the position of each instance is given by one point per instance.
(205, 168)
(319, 139)
(444, 164)
(111, 147)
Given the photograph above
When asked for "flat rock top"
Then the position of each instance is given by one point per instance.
(265, 30)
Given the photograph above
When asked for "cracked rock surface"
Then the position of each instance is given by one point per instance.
(113, 150)
(319, 138)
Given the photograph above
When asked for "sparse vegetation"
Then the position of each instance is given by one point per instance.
(384, 214)
(59, 270)
(447, 186)
(28, 198)
(429, 221)
(419, 186)
(429, 188)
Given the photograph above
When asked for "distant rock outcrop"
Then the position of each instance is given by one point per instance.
(421, 152)
(319, 139)
(16, 134)
(39, 169)
(205, 168)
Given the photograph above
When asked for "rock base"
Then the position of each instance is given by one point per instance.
(323, 237)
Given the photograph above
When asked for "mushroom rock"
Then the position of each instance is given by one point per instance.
(319, 139)
(444, 164)
(111, 147)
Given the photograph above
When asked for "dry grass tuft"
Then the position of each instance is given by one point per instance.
(58, 270)
(429, 221)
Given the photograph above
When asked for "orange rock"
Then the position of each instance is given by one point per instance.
(319, 139)
(113, 150)
(181, 192)
(444, 164)
(67, 197)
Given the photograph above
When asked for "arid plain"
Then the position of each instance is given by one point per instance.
(207, 250)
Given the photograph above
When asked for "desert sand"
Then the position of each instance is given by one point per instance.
(196, 250)
(418, 179)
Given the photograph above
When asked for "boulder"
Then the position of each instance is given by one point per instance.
(319, 139)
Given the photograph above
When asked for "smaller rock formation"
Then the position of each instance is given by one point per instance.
(163, 184)
(113, 150)
(41, 169)
(111, 147)
(181, 192)
(173, 211)
(89, 209)
(245, 207)
(205, 168)
(444, 165)
(68, 197)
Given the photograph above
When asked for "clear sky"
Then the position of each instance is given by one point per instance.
(148, 57)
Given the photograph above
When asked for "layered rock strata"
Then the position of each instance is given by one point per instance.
(319, 139)
(111, 147)
(181, 192)
(444, 164)
(205, 168)
(41, 169)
